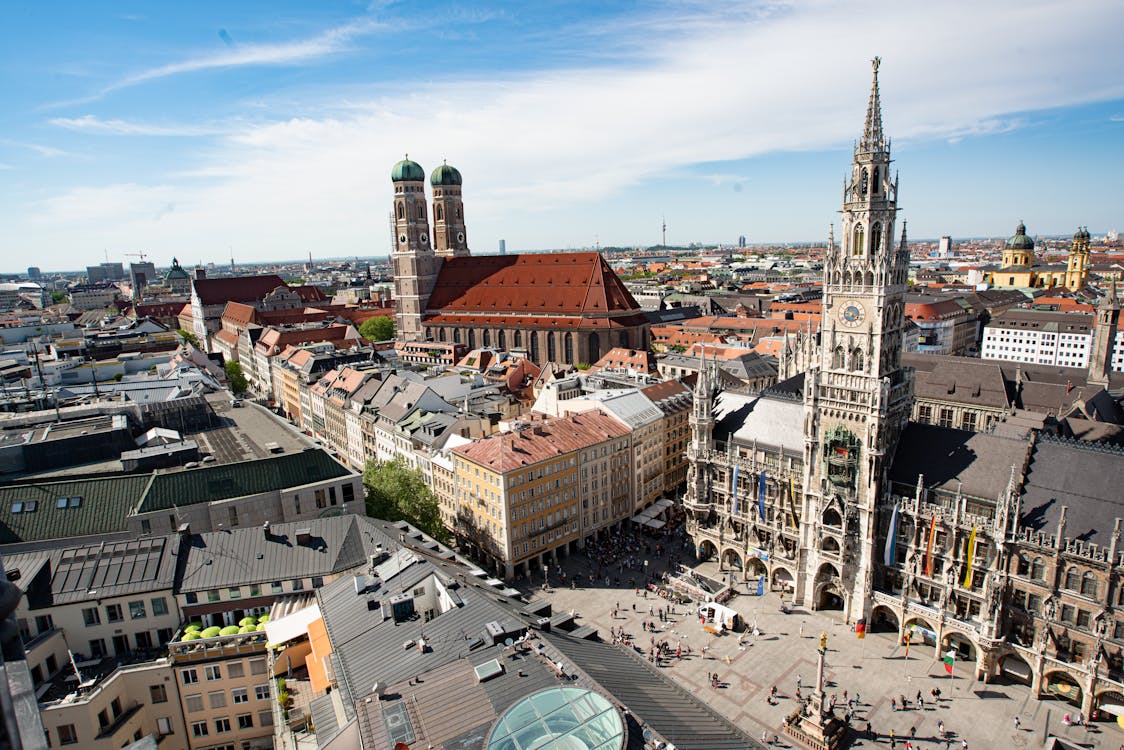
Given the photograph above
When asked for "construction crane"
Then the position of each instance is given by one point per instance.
(140, 255)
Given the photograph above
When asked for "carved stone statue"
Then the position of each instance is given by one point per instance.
(823, 642)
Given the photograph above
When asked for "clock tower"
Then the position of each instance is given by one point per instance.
(857, 395)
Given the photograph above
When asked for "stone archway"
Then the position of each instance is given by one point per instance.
(707, 550)
(1108, 704)
(1015, 668)
(828, 591)
(732, 559)
(920, 631)
(754, 567)
(961, 644)
(884, 620)
(782, 578)
(1062, 686)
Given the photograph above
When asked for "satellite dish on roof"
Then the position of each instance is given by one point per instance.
(508, 642)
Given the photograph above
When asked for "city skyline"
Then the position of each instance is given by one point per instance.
(271, 134)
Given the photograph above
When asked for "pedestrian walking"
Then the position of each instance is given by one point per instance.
(1018, 723)
(799, 681)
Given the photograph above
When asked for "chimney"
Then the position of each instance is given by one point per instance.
(266, 531)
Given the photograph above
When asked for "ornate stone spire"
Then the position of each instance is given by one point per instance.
(872, 139)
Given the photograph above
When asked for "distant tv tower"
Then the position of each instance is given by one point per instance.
(232, 258)
(663, 231)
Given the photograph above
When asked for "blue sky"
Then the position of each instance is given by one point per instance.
(269, 129)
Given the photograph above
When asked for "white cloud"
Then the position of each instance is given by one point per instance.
(285, 53)
(48, 152)
(98, 126)
(538, 150)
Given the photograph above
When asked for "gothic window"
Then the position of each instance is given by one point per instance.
(622, 339)
(869, 281)
(1022, 565)
(594, 347)
(831, 518)
(441, 334)
(458, 212)
(1072, 579)
(421, 210)
(534, 347)
(857, 360)
(456, 335)
(837, 359)
(857, 247)
(875, 237)
(568, 347)
(875, 181)
(487, 336)
(865, 181)
(1038, 569)
(1089, 584)
(501, 341)
(551, 348)
(471, 338)
(401, 211)
(440, 212)
(518, 339)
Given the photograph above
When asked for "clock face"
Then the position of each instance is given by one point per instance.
(424, 238)
(402, 239)
(851, 314)
(460, 236)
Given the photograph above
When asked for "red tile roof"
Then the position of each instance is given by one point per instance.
(619, 358)
(542, 441)
(236, 288)
(309, 293)
(579, 284)
(157, 309)
(274, 340)
(238, 313)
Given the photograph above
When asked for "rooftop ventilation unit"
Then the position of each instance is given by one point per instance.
(304, 537)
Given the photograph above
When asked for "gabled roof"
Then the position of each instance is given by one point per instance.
(558, 283)
(772, 420)
(216, 559)
(977, 464)
(236, 288)
(541, 441)
(1085, 478)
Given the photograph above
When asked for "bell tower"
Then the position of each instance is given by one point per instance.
(415, 266)
(857, 395)
(1104, 338)
(1077, 265)
(449, 238)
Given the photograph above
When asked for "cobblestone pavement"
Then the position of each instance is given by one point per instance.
(874, 669)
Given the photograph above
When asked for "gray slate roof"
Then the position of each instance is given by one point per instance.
(774, 421)
(234, 557)
(976, 463)
(1085, 478)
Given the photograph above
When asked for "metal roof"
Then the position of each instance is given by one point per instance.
(32, 512)
(224, 481)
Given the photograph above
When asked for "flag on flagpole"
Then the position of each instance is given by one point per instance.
(734, 489)
(929, 546)
(891, 539)
(971, 554)
(860, 628)
(949, 661)
(792, 501)
(761, 494)
(908, 634)
(761, 585)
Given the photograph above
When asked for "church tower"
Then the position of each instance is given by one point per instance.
(701, 444)
(1077, 266)
(415, 266)
(857, 395)
(449, 238)
(1104, 338)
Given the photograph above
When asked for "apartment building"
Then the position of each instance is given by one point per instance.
(1041, 338)
(947, 325)
(224, 689)
(519, 495)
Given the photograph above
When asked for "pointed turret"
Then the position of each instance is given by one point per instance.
(872, 139)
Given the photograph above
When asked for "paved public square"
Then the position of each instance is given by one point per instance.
(875, 669)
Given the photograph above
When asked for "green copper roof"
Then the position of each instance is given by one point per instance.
(38, 511)
(1020, 240)
(407, 171)
(445, 175)
(225, 481)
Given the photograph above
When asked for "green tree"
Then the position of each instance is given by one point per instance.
(237, 378)
(396, 492)
(58, 297)
(189, 337)
(377, 329)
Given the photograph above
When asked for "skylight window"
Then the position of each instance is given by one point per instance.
(29, 506)
(61, 502)
(17, 507)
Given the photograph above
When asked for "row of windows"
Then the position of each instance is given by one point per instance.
(217, 698)
(222, 725)
(114, 612)
(235, 669)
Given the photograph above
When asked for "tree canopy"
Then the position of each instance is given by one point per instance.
(189, 337)
(377, 329)
(396, 492)
(237, 378)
